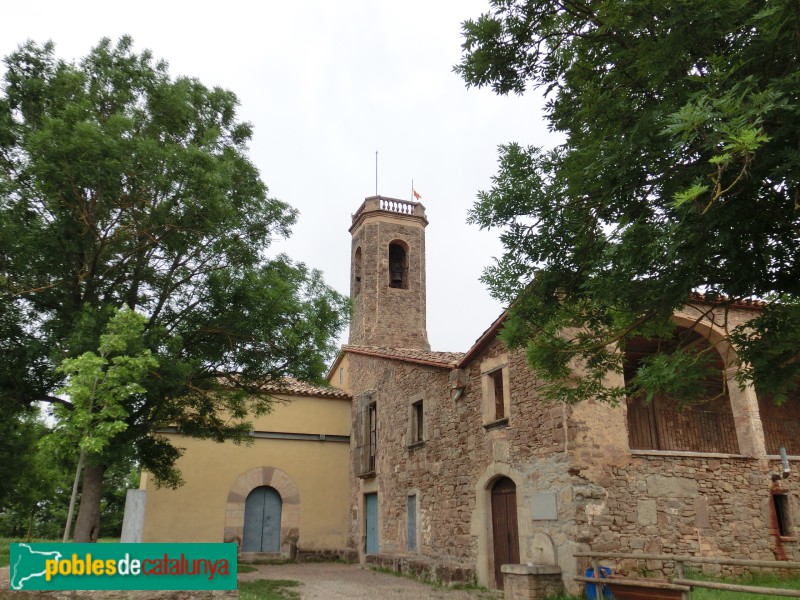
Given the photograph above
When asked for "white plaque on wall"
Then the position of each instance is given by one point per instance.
(544, 507)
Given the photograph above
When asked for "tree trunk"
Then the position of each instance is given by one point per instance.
(73, 497)
(87, 525)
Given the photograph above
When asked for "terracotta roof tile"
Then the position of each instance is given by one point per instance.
(425, 357)
(751, 303)
(295, 387)
(491, 333)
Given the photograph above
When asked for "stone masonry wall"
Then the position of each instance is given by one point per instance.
(703, 506)
(607, 497)
(385, 316)
(457, 455)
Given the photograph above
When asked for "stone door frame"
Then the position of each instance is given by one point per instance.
(481, 524)
(290, 510)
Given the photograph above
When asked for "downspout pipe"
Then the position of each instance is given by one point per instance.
(787, 470)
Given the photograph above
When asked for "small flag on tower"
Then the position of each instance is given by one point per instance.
(416, 195)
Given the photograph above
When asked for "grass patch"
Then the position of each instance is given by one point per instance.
(772, 580)
(269, 589)
(240, 568)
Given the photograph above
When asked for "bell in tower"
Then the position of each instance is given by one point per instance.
(397, 267)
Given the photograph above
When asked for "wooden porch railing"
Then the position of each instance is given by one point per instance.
(680, 570)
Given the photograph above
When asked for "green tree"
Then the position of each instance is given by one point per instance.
(26, 478)
(103, 389)
(36, 504)
(122, 187)
(679, 173)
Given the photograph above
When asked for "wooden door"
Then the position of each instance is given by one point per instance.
(371, 523)
(504, 527)
(262, 521)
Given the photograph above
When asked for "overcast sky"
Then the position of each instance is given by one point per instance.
(326, 84)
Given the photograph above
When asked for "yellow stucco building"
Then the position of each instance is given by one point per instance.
(287, 491)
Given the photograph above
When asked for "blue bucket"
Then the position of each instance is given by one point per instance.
(591, 588)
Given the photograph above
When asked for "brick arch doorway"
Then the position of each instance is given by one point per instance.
(290, 505)
(505, 529)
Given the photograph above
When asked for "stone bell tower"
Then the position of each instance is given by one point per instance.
(387, 274)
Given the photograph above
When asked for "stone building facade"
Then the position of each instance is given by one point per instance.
(449, 465)
(458, 467)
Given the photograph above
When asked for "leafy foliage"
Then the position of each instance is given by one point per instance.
(35, 502)
(100, 386)
(122, 187)
(679, 173)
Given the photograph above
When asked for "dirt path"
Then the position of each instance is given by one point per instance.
(335, 581)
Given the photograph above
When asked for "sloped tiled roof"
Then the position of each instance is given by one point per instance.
(751, 303)
(491, 333)
(294, 387)
(424, 357)
(483, 341)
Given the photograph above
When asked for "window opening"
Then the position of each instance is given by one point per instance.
(357, 272)
(341, 375)
(365, 429)
(781, 423)
(707, 425)
(499, 402)
(781, 503)
(373, 436)
(417, 422)
(398, 266)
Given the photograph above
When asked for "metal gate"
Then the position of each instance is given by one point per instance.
(504, 527)
(262, 521)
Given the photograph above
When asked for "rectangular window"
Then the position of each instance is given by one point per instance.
(495, 391)
(365, 430)
(499, 397)
(412, 523)
(341, 375)
(782, 516)
(373, 436)
(416, 431)
(417, 422)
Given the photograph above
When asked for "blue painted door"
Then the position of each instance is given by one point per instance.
(262, 521)
(411, 533)
(371, 524)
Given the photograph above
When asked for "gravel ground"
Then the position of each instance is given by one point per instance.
(333, 581)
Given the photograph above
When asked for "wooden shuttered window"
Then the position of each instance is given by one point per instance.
(365, 430)
(663, 424)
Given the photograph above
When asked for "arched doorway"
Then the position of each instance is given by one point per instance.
(505, 533)
(262, 520)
